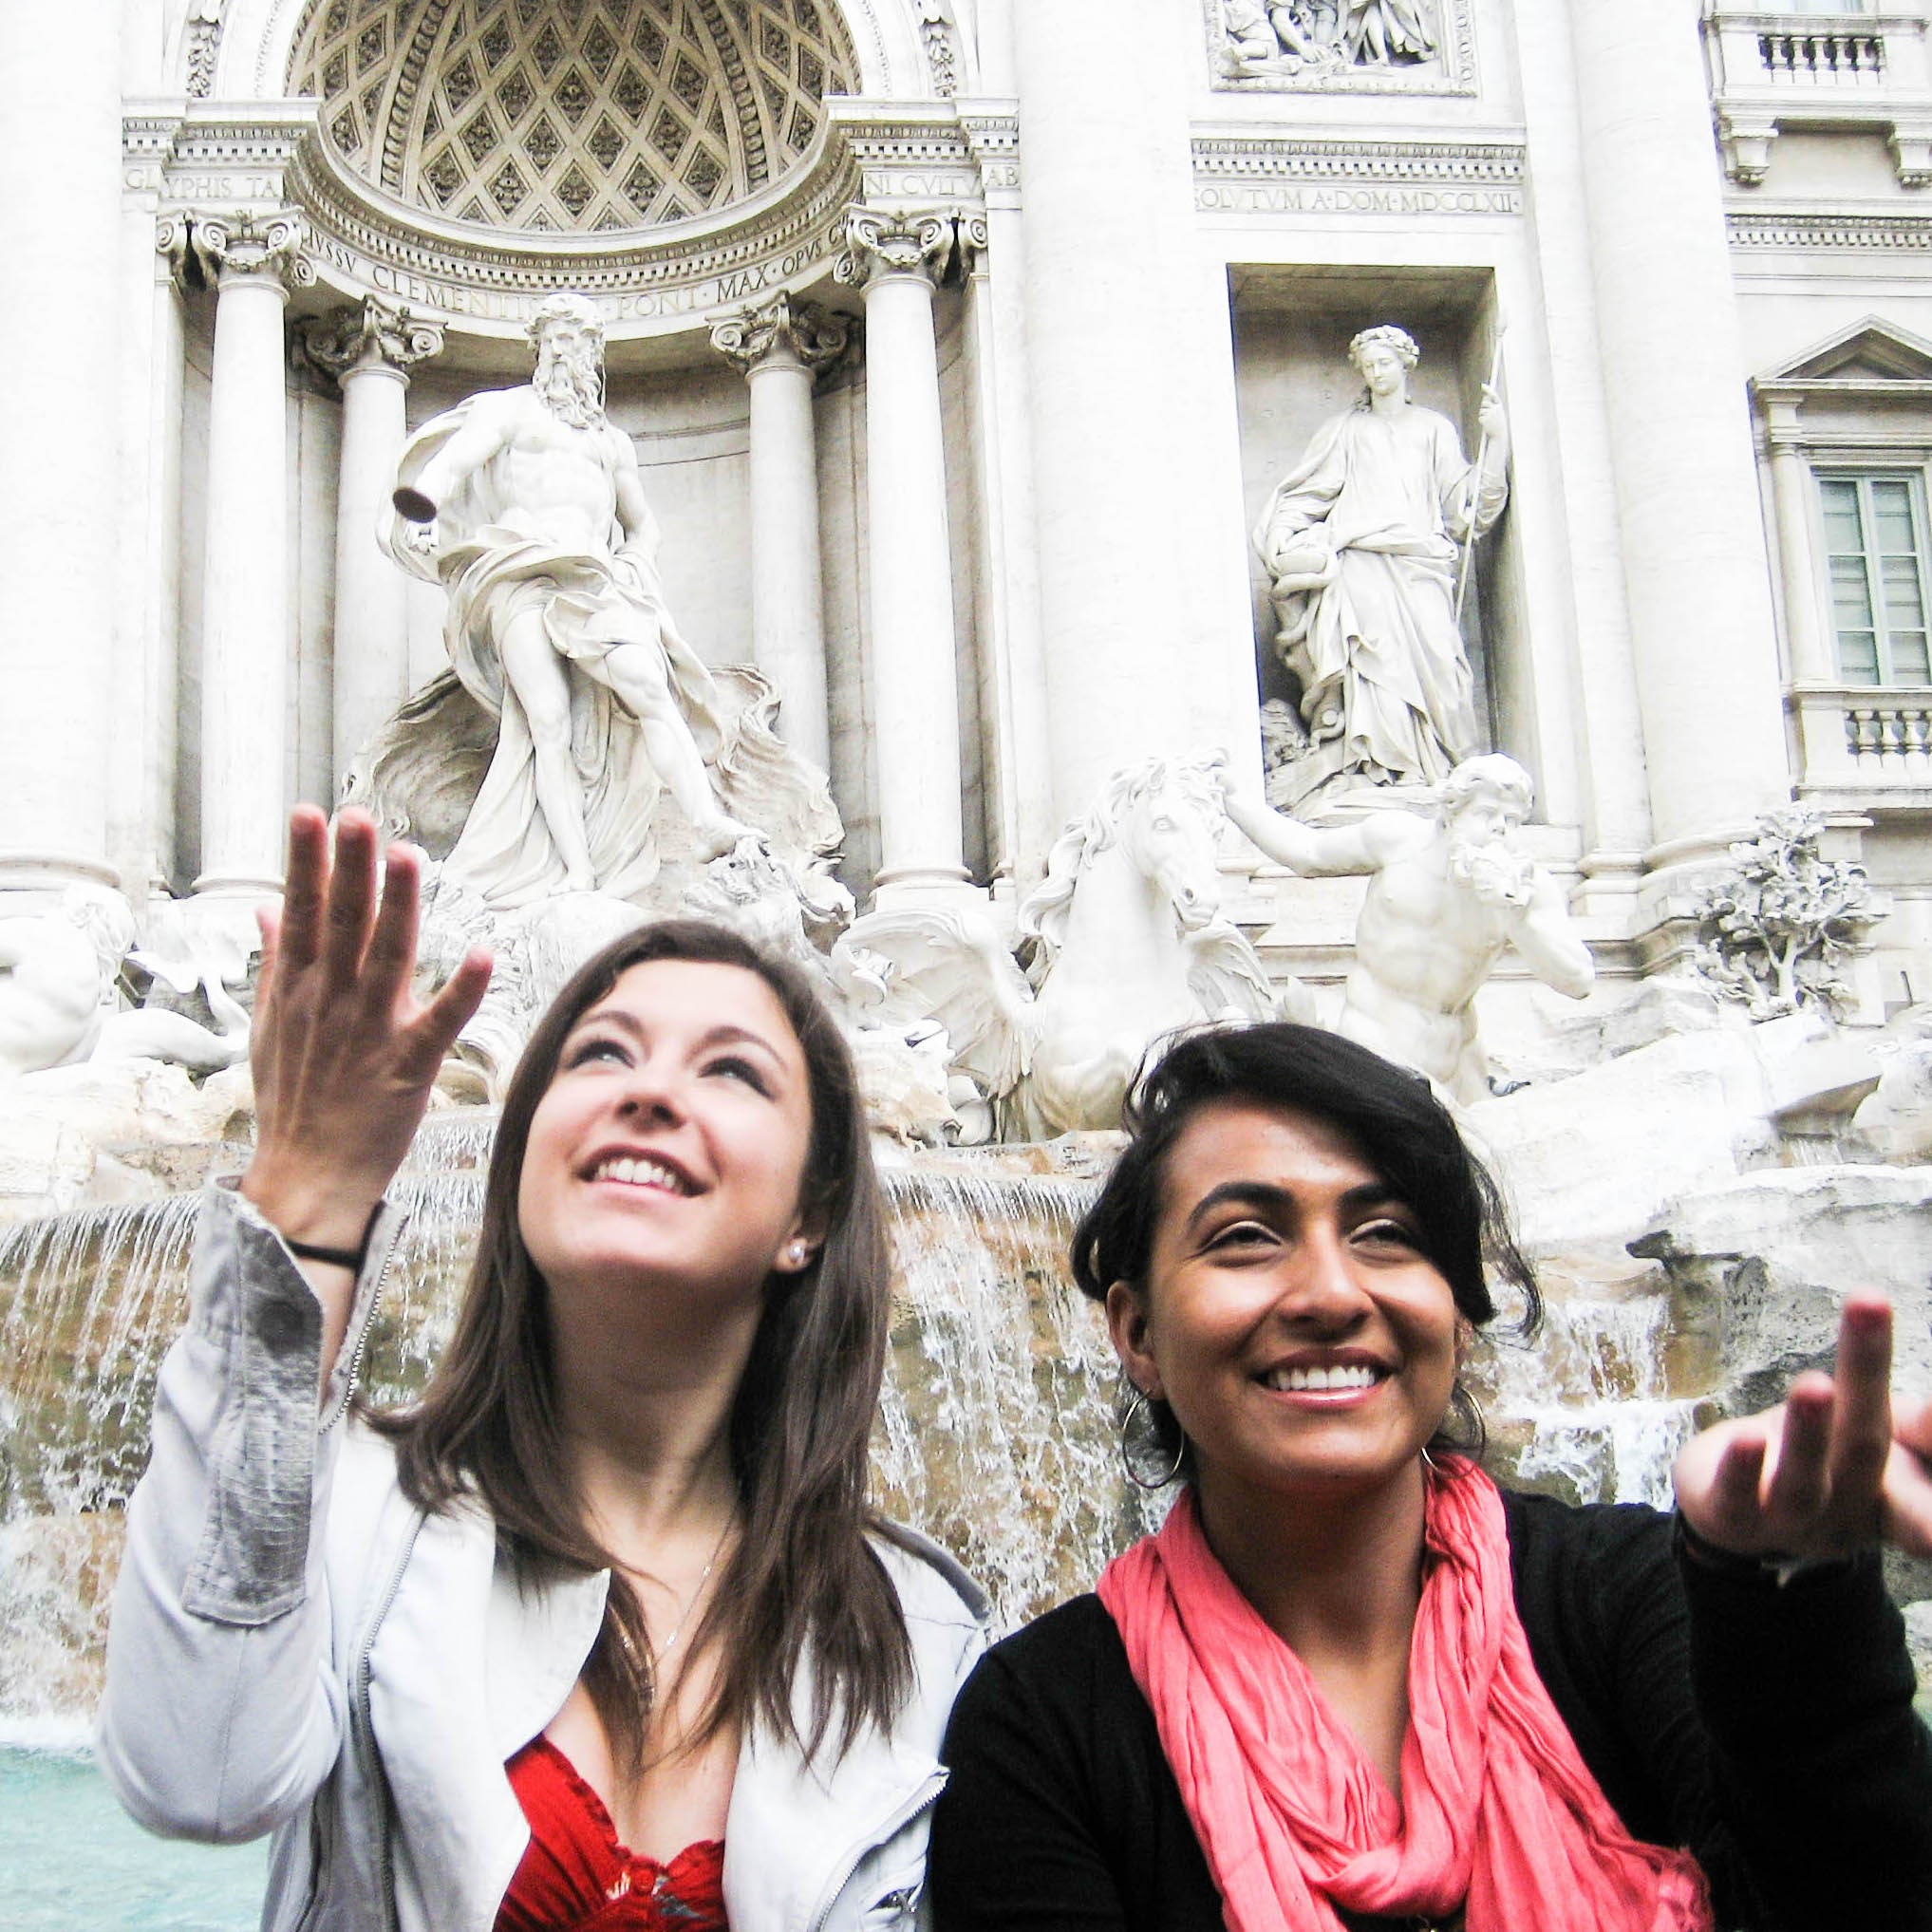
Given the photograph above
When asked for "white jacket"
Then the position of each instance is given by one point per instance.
(296, 1648)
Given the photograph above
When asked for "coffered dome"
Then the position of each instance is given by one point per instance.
(562, 115)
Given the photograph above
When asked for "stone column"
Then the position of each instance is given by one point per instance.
(1810, 655)
(778, 350)
(1143, 572)
(60, 328)
(897, 259)
(245, 641)
(1696, 570)
(369, 352)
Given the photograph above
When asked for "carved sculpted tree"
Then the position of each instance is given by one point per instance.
(1776, 930)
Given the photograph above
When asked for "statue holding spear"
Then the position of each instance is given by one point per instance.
(1367, 543)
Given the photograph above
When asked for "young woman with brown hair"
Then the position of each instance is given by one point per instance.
(600, 1633)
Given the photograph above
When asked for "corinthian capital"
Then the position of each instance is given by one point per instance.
(880, 244)
(366, 337)
(251, 248)
(800, 332)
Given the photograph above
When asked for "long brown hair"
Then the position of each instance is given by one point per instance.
(803, 1585)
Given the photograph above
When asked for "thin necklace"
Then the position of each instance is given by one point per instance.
(665, 1649)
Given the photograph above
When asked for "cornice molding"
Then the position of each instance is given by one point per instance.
(1300, 158)
(1251, 173)
(363, 242)
(1792, 233)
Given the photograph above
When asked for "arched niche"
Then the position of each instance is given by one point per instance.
(259, 40)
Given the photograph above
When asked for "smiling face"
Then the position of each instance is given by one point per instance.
(668, 1151)
(1289, 1316)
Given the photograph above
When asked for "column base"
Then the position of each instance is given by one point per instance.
(1667, 898)
(940, 889)
(1608, 888)
(224, 905)
(50, 871)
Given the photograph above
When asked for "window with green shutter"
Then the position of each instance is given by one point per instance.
(1875, 555)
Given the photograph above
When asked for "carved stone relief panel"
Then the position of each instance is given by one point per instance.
(1342, 47)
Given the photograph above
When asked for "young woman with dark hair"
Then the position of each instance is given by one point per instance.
(1352, 1684)
(600, 1632)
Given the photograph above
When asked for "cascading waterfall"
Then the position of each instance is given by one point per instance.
(995, 1433)
(995, 1436)
(1588, 1411)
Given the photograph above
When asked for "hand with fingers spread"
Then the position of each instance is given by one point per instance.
(1831, 1471)
(344, 1056)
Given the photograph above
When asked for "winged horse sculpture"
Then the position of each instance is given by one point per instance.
(1123, 941)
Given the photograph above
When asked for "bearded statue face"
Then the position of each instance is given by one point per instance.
(569, 371)
(1482, 849)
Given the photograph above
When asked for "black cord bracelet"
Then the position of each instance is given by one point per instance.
(1768, 1566)
(350, 1258)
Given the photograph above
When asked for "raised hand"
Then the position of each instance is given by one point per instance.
(1829, 1471)
(344, 1056)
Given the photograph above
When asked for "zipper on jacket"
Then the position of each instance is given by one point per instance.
(364, 1717)
(921, 1800)
(362, 1340)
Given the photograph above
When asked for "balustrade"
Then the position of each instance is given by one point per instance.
(1828, 55)
(1871, 746)
(1888, 731)
(1775, 70)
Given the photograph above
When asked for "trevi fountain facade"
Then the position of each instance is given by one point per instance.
(1409, 514)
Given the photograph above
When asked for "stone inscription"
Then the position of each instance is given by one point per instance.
(1243, 198)
(493, 305)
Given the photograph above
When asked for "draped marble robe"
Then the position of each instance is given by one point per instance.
(1362, 541)
(493, 569)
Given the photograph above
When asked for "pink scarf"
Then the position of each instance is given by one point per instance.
(1498, 1809)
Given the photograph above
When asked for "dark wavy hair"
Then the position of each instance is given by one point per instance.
(1397, 1124)
(803, 1587)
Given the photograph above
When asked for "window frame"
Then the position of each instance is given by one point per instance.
(1862, 470)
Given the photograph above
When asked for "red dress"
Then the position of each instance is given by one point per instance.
(576, 1877)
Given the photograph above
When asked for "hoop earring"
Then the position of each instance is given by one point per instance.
(1429, 1463)
(1140, 1403)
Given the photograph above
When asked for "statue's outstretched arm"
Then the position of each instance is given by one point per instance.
(468, 450)
(1552, 946)
(1338, 852)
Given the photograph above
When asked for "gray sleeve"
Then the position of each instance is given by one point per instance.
(225, 1706)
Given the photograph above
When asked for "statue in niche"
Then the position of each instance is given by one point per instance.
(527, 506)
(1447, 893)
(1363, 542)
(1270, 39)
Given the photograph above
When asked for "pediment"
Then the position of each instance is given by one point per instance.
(1872, 350)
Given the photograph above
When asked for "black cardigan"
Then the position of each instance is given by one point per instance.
(1768, 1730)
